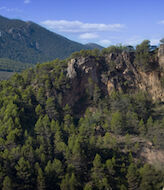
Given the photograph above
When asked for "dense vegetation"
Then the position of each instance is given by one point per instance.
(28, 42)
(46, 144)
(9, 67)
(13, 66)
(23, 44)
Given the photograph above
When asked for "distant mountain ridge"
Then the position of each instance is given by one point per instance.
(28, 42)
(94, 46)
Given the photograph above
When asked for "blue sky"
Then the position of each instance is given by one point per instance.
(105, 22)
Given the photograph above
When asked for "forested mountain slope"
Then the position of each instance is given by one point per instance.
(87, 122)
(8, 67)
(28, 42)
(13, 66)
(94, 46)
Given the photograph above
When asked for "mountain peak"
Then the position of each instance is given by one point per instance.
(94, 46)
(31, 43)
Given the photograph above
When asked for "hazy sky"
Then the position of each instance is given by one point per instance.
(105, 22)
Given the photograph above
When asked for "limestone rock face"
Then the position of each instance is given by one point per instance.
(81, 71)
(128, 78)
(114, 71)
(110, 86)
(71, 72)
(83, 66)
(123, 75)
(150, 82)
(161, 55)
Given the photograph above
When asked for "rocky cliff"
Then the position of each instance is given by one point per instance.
(115, 71)
(161, 55)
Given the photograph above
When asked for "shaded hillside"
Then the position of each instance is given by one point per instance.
(83, 123)
(8, 67)
(94, 46)
(28, 42)
(13, 66)
(4, 75)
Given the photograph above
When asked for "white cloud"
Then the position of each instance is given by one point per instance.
(88, 36)
(77, 26)
(161, 22)
(134, 40)
(27, 1)
(154, 41)
(105, 42)
(10, 9)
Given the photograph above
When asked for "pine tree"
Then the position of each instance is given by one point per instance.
(88, 186)
(24, 172)
(40, 180)
(142, 128)
(132, 177)
(117, 123)
(149, 124)
(96, 94)
(73, 182)
(97, 171)
(7, 184)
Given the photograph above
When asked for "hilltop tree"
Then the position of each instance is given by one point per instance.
(162, 41)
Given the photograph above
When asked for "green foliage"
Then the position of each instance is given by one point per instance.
(150, 178)
(51, 108)
(7, 184)
(99, 180)
(86, 53)
(13, 66)
(114, 49)
(96, 94)
(88, 186)
(144, 58)
(142, 54)
(40, 180)
(69, 182)
(117, 123)
(133, 177)
(24, 172)
(47, 143)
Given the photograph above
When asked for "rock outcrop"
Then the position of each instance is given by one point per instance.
(82, 71)
(161, 55)
(114, 71)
